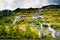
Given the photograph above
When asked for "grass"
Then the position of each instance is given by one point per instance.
(18, 30)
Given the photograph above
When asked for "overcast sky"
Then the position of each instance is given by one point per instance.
(13, 4)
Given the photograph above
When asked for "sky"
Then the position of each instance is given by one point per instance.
(54, 1)
(13, 4)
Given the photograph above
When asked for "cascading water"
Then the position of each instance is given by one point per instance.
(17, 19)
(41, 26)
(54, 32)
(35, 16)
(40, 30)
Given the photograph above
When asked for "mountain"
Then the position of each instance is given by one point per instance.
(51, 6)
(24, 18)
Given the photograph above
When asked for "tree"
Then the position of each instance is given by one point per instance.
(6, 12)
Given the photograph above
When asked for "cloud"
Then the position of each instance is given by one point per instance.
(54, 1)
(30, 3)
(13, 4)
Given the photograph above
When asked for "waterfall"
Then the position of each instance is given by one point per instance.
(41, 26)
(39, 34)
(52, 30)
(49, 27)
(41, 17)
(17, 19)
(40, 30)
(36, 15)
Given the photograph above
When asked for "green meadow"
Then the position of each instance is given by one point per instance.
(24, 29)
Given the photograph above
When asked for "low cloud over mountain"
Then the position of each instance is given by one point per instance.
(13, 4)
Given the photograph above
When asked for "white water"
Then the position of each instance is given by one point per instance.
(52, 30)
(41, 26)
(17, 19)
(36, 15)
(40, 30)
(54, 33)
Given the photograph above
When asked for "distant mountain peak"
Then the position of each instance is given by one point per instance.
(51, 6)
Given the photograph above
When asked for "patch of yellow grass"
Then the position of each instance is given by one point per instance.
(21, 26)
(7, 29)
(35, 31)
